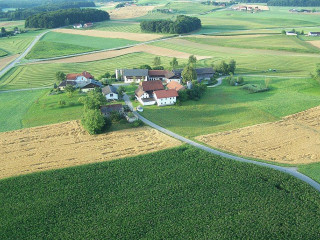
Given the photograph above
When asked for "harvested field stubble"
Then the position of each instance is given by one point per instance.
(142, 37)
(6, 60)
(130, 12)
(293, 140)
(315, 43)
(67, 144)
(159, 51)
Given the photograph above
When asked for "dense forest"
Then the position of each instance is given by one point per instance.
(33, 3)
(21, 14)
(183, 24)
(65, 17)
(293, 3)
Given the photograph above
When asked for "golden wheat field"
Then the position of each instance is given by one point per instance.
(67, 144)
(293, 140)
(130, 12)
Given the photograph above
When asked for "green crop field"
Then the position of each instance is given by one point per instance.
(311, 170)
(58, 44)
(273, 42)
(3, 53)
(41, 75)
(18, 43)
(14, 106)
(182, 193)
(187, 7)
(256, 61)
(226, 107)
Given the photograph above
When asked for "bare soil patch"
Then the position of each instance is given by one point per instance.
(67, 144)
(130, 12)
(315, 43)
(141, 37)
(6, 60)
(293, 140)
(116, 53)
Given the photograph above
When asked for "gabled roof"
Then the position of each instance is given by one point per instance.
(157, 72)
(73, 76)
(139, 91)
(166, 93)
(200, 71)
(91, 85)
(175, 85)
(135, 72)
(109, 89)
(66, 82)
(111, 108)
(152, 85)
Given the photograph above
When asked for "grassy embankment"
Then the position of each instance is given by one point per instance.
(186, 194)
(59, 44)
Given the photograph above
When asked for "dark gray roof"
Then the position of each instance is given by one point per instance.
(91, 85)
(109, 89)
(66, 82)
(111, 108)
(135, 72)
(199, 71)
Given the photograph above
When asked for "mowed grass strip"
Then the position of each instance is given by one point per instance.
(225, 107)
(14, 106)
(56, 44)
(3, 53)
(182, 193)
(41, 75)
(115, 26)
(274, 42)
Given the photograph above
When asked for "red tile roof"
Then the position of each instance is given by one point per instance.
(175, 85)
(152, 85)
(73, 76)
(166, 93)
(157, 72)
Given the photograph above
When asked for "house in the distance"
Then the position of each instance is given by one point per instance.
(166, 97)
(110, 92)
(290, 33)
(202, 73)
(145, 92)
(132, 75)
(85, 81)
(314, 34)
(107, 110)
(176, 86)
(87, 25)
(77, 25)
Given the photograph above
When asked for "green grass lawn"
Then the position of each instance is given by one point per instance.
(182, 193)
(255, 61)
(187, 7)
(311, 170)
(224, 108)
(39, 75)
(3, 53)
(273, 42)
(58, 44)
(18, 43)
(14, 106)
(46, 110)
(115, 26)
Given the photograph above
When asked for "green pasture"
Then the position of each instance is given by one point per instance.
(3, 53)
(225, 107)
(311, 170)
(307, 38)
(58, 44)
(46, 110)
(42, 75)
(273, 42)
(181, 193)
(187, 7)
(249, 61)
(18, 43)
(10, 25)
(14, 106)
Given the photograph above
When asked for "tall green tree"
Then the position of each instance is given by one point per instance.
(192, 60)
(174, 63)
(93, 100)
(93, 121)
(232, 66)
(188, 74)
(121, 91)
(157, 61)
(60, 76)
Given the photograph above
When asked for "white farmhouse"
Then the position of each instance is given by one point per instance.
(314, 34)
(110, 92)
(132, 75)
(166, 97)
(144, 93)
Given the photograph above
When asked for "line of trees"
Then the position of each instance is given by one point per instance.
(21, 14)
(183, 24)
(65, 17)
(294, 3)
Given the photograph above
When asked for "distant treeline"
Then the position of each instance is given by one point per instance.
(22, 14)
(33, 3)
(293, 3)
(183, 24)
(65, 17)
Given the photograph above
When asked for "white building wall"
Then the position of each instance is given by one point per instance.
(112, 96)
(166, 101)
(137, 80)
(178, 80)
